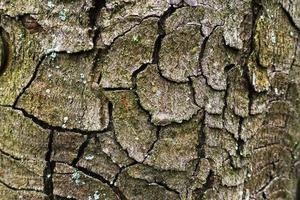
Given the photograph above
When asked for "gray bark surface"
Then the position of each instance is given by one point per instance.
(149, 99)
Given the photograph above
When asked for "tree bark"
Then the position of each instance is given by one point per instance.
(149, 99)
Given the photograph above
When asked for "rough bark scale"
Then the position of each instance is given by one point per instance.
(149, 99)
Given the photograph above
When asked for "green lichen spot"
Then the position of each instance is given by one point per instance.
(136, 39)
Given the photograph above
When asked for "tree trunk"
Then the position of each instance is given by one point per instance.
(149, 99)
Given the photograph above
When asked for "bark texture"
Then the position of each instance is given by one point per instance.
(149, 99)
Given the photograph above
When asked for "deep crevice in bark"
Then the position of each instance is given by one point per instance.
(121, 170)
(207, 185)
(48, 171)
(112, 128)
(158, 129)
(193, 91)
(256, 12)
(111, 119)
(229, 67)
(159, 41)
(240, 141)
(162, 33)
(5, 50)
(48, 183)
(201, 54)
(81, 150)
(134, 89)
(201, 143)
(108, 47)
(31, 80)
(93, 14)
(298, 189)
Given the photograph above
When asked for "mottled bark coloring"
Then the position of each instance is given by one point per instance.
(149, 99)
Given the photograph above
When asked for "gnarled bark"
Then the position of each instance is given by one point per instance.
(149, 99)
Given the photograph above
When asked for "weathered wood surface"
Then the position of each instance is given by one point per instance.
(149, 99)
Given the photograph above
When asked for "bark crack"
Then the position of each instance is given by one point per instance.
(31, 80)
(93, 14)
(121, 170)
(81, 150)
(20, 189)
(201, 53)
(201, 144)
(158, 128)
(291, 20)
(207, 185)
(45, 125)
(161, 184)
(11, 156)
(48, 171)
(162, 33)
(116, 190)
